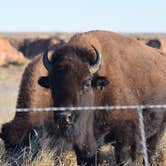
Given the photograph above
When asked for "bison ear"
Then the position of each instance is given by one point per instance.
(43, 81)
(100, 82)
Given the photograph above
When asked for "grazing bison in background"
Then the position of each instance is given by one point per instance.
(155, 43)
(31, 48)
(103, 68)
(30, 95)
(159, 44)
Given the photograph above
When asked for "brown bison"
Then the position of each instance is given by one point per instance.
(31, 48)
(30, 95)
(100, 68)
(159, 44)
(155, 43)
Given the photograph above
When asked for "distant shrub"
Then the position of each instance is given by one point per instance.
(13, 63)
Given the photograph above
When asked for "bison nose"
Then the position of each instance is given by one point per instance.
(63, 118)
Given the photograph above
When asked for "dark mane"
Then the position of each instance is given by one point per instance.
(84, 54)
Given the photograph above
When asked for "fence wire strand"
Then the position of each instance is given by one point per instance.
(143, 136)
(124, 107)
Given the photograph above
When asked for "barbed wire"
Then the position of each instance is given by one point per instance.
(123, 107)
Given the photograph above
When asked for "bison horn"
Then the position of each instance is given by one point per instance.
(97, 62)
(46, 62)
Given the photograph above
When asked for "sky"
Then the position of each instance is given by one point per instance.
(82, 15)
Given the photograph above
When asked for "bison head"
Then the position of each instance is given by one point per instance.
(72, 78)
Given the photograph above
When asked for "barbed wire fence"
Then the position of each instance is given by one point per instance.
(71, 108)
(138, 108)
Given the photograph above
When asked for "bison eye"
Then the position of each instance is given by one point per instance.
(87, 84)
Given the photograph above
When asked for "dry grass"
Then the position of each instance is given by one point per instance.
(160, 157)
(39, 153)
(47, 156)
(146, 36)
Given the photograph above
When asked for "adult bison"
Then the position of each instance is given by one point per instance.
(155, 43)
(159, 44)
(30, 95)
(104, 68)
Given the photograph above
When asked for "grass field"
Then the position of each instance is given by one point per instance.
(49, 157)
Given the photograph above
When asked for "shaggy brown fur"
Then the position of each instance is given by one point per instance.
(137, 76)
(31, 95)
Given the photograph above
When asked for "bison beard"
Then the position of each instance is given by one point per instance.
(80, 134)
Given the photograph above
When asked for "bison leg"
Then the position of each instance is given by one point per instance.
(123, 154)
(16, 134)
(86, 162)
(152, 144)
(82, 160)
(126, 150)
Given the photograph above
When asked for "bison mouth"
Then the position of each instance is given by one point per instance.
(65, 122)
